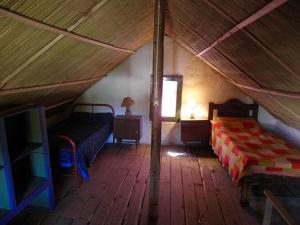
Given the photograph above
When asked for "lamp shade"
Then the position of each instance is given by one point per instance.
(127, 102)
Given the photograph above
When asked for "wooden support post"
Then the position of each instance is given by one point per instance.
(158, 60)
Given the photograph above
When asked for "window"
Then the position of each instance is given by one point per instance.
(171, 98)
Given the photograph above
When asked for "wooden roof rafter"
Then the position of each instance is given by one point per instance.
(198, 36)
(258, 88)
(226, 77)
(257, 15)
(268, 8)
(67, 33)
(21, 90)
(60, 103)
(48, 46)
(272, 111)
(267, 91)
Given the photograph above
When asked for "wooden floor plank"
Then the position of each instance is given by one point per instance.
(94, 191)
(164, 191)
(246, 214)
(135, 205)
(145, 207)
(49, 220)
(191, 212)
(88, 209)
(64, 221)
(80, 221)
(127, 164)
(177, 202)
(228, 208)
(228, 188)
(194, 189)
(214, 209)
(74, 203)
(199, 191)
(107, 162)
(121, 200)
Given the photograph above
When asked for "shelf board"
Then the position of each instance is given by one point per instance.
(26, 151)
(34, 184)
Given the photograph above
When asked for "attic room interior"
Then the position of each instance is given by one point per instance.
(136, 112)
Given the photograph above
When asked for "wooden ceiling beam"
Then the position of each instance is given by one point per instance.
(22, 90)
(288, 94)
(59, 104)
(40, 25)
(258, 88)
(257, 41)
(268, 91)
(246, 88)
(219, 52)
(173, 16)
(260, 13)
(49, 45)
(274, 113)
(181, 42)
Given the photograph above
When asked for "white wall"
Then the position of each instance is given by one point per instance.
(288, 133)
(201, 84)
(130, 78)
(266, 119)
(292, 135)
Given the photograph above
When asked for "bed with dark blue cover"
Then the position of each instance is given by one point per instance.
(80, 137)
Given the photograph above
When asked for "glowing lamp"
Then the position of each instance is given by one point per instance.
(127, 102)
(193, 111)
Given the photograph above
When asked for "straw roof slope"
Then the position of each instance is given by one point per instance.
(262, 58)
(43, 66)
(37, 58)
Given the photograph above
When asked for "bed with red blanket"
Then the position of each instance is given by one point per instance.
(246, 150)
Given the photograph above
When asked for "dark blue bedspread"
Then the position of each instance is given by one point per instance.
(89, 131)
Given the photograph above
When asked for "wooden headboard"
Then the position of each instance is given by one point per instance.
(233, 108)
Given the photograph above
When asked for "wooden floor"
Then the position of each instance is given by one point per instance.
(194, 190)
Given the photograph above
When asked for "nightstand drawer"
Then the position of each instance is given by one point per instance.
(195, 123)
(127, 127)
(194, 131)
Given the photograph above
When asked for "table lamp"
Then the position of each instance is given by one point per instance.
(127, 102)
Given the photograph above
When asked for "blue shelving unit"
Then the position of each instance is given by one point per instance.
(25, 173)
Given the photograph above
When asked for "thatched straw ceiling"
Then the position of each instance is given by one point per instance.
(262, 58)
(264, 55)
(32, 57)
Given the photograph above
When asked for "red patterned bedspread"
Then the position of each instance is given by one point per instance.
(245, 149)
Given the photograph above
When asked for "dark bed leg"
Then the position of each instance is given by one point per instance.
(245, 192)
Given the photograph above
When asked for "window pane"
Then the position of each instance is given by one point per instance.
(169, 98)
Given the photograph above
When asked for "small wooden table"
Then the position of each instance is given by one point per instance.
(195, 131)
(127, 127)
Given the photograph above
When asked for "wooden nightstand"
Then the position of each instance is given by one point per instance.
(195, 131)
(127, 127)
